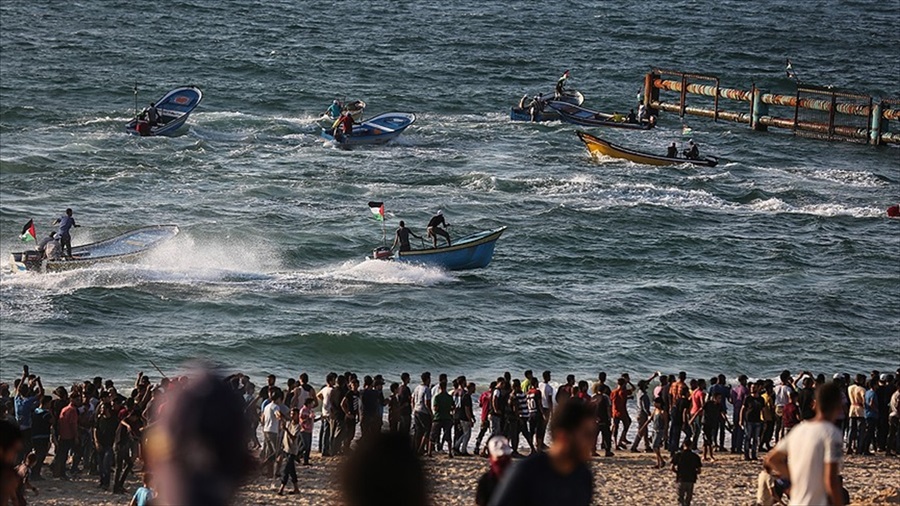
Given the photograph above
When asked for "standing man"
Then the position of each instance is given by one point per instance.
(619, 399)
(27, 400)
(65, 223)
(811, 455)
(751, 422)
(442, 425)
(404, 403)
(434, 228)
(465, 417)
(546, 390)
(484, 402)
(401, 237)
(422, 413)
(324, 397)
(561, 476)
(738, 394)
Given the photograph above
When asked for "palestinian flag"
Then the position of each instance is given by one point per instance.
(686, 130)
(564, 76)
(377, 209)
(28, 232)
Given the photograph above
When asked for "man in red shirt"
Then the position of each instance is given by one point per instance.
(67, 433)
(698, 396)
(619, 399)
(484, 402)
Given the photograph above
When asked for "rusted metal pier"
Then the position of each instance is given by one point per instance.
(813, 111)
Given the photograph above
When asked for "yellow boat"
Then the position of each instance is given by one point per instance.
(598, 146)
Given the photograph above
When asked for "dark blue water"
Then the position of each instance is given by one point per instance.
(779, 257)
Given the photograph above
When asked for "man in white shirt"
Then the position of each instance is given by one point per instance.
(782, 398)
(324, 397)
(811, 453)
(422, 412)
(546, 406)
(270, 420)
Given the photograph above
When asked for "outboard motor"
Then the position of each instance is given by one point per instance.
(382, 253)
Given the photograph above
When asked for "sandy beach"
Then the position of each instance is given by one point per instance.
(626, 478)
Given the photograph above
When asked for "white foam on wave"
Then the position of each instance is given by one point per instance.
(858, 179)
(389, 273)
(777, 206)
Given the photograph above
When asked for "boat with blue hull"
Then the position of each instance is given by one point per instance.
(522, 112)
(377, 130)
(126, 247)
(470, 252)
(578, 115)
(174, 108)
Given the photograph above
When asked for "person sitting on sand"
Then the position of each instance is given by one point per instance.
(500, 454)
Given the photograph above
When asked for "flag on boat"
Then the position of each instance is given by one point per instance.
(564, 76)
(686, 130)
(28, 232)
(377, 209)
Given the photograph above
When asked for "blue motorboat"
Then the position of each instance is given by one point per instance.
(378, 130)
(522, 112)
(173, 108)
(471, 252)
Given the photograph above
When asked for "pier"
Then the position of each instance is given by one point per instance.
(812, 111)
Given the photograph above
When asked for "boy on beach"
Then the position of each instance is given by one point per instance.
(686, 466)
(144, 494)
(24, 473)
(657, 422)
(307, 419)
(290, 447)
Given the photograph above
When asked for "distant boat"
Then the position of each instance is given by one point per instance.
(578, 115)
(174, 108)
(522, 113)
(471, 252)
(378, 130)
(126, 247)
(597, 145)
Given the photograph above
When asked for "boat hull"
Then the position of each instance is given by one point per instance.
(598, 146)
(127, 247)
(548, 114)
(471, 252)
(578, 115)
(377, 130)
(174, 109)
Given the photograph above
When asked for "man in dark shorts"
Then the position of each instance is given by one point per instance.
(65, 223)
(401, 237)
(434, 228)
(442, 425)
(561, 476)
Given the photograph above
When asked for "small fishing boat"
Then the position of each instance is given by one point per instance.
(598, 146)
(173, 108)
(471, 252)
(378, 130)
(126, 247)
(523, 113)
(577, 115)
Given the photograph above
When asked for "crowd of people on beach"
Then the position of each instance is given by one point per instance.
(103, 429)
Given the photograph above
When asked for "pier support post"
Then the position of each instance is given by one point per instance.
(875, 125)
(760, 109)
(651, 93)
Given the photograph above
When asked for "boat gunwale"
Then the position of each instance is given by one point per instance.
(492, 236)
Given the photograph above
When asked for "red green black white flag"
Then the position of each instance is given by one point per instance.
(28, 232)
(377, 209)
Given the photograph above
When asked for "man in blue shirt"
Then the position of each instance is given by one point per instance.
(871, 411)
(26, 401)
(65, 223)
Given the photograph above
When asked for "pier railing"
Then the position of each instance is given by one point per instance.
(812, 111)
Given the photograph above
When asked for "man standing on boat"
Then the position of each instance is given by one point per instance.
(65, 223)
(401, 238)
(152, 115)
(434, 228)
(561, 84)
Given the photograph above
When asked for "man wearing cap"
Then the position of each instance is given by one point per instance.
(500, 453)
(434, 228)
